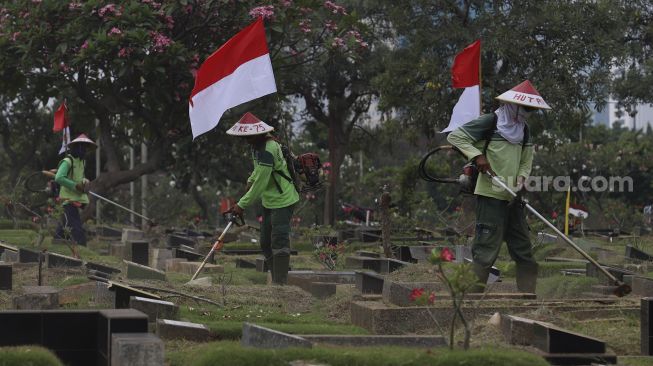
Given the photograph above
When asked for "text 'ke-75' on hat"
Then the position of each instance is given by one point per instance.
(524, 94)
(249, 125)
(82, 139)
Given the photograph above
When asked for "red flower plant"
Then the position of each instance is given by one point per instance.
(446, 255)
(416, 294)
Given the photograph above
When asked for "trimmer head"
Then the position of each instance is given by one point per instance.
(622, 289)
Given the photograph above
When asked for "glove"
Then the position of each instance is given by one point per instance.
(83, 186)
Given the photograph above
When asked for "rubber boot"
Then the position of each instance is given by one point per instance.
(527, 277)
(482, 273)
(280, 266)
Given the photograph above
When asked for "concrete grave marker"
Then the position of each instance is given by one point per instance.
(8, 253)
(172, 265)
(418, 341)
(138, 252)
(155, 309)
(37, 298)
(175, 241)
(159, 258)
(190, 256)
(261, 337)
(172, 329)
(136, 349)
(102, 268)
(191, 267)
(245, 263)
(109, 232)
(28, 256)
(262, 265)
(634, 253)
(124, 292)
(5, 277)
(137, 271)
(646, 326)
(369, 282)
(552, 339)
(131, 235)
(55, 260)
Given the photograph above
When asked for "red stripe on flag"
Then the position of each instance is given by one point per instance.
(60, 119)
(465, 71)
(245, 46)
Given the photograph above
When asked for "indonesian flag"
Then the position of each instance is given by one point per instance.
(578, 211)
(239, 71)
(65, 140)
(60, 118)
(465, 73)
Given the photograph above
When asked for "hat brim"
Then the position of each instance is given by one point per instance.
(526, 100)
(85, 142)
(260, 128)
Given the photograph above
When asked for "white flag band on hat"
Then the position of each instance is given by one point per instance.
(249, 125)
(524, 94)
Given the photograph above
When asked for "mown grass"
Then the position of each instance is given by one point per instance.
(231, 353)
(558, 287)
(27, 356)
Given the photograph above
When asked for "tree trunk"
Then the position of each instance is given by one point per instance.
(336, 157)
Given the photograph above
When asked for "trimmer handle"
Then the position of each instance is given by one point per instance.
(238, 220)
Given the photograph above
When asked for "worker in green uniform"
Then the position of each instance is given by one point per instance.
(500, 143)
(72, 194)
(272, 184)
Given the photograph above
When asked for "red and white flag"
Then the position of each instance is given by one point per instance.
(239, 71)
(465, 73)
(61, 124)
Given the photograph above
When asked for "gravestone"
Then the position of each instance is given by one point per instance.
(344, 277)
(116, 321)
(367, 253)
(552, 339)
(642, 286)
(154, 309)
(634, 253)
(261, 337)
(175, 241)
(132, 235)
(102, 268)
(137, 271)
(55, 260)
(369, 283)
(417, 341)
(28, 256)
(421, 253)
(109, 232)
(403, 253)
(646, 326)
(117, 250)
(244, 263)
(8, 253)
(37, 298)
(172, 265)
(356, 262)
(159, 258)
(138, 252)
(463, 252)
(391, 265)
(136, 349)
(517, 330)
(123, 293)
(5, 277)
(97, 275)
(262, 265)
(173, 329)
(190, 256)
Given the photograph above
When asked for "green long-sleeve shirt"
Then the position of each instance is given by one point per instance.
(67, 181)
(508, 160)
(262, 179)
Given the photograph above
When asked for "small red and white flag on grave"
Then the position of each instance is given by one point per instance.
(466, 73)
(239, 71)
(61, 124)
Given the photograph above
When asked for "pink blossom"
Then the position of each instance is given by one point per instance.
(338, 43)
(85, 45)
(305, 26)
(108, 10)
(331, 25)
(74, 6)
(160, 41)
(305, 11)
(15, 36)
(170, 22)
(36, 1)
(125, 52)
(64, 67)
(286, 3)
(153, 3)
(335, 8)
(115, 31)
(265, 12)
(188, 9)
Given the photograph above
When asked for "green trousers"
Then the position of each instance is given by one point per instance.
(498, 221)
(275, 241)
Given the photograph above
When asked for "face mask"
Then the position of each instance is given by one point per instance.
(78, 151)
(523, 113)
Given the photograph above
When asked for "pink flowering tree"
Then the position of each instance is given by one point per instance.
(130, 66)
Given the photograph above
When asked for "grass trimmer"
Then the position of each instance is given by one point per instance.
(622, 289)
(217, 246)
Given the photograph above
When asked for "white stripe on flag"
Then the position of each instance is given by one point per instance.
(66, 139)
(467, 108)
(251, 80)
